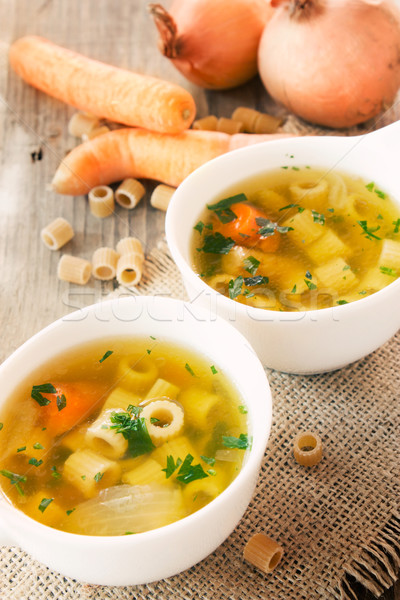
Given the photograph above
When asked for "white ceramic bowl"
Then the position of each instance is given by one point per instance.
(154, 555)
(297, 342)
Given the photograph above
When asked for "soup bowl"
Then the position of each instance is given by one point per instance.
(163, 552)
(309, 341)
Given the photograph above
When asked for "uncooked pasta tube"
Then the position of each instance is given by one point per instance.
(82, 123)
(129, 193)
(129, 269)
(57, 233)
(74, 269)
(307, 449)
(130, 245)
(161, 196)
(263, 552)
(101, 201)
(104, 263)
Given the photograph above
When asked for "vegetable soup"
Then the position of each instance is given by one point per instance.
(298, 239)
(121, 437)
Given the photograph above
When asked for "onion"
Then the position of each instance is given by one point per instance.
(332, 62)
(213, 43)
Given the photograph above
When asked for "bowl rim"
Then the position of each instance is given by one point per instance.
(251, 463)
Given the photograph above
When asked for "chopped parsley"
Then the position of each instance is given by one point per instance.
(38, 390)
(98, 476)
(268, 227)
(369, 232)
(54, 473)
(310, 284)
(133, 428)
(187, 471)
(242, 409)
(15, 479)
(38, 446)
(190, 370)
(388, 271)
(257, 280)
(61, 402)
(35, 462)
(342, 302)
(235, 287)
(1, 426)
(242, 442)
(371, 188)
(21, 449)
(251, 265)
(213, 370)
(44, 503)
(216, 243)
(209, 460)
(396, 226)
(106, 355)
(223, 208)
(294, 289)
(71, 510)
(318, 217)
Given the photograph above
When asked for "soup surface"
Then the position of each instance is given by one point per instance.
(121, 437)
(298, 239)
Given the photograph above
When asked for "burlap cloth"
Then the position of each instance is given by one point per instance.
(339, 522)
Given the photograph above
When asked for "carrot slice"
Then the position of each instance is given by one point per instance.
(244, 228)
(71, 403)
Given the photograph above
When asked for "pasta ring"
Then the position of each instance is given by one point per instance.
(307, 449)
(263, 552)
(168, 417)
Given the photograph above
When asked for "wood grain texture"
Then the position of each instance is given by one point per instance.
(119, 33)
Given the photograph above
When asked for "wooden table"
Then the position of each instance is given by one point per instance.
(33, 140)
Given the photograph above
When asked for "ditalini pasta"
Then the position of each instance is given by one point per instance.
(208, 123)
(130, 269)
(101, 201)
(74, 269)
(297, 239)
(82, 123)
(95, 132)
(307, 448)
(57, 233)
(104, 263)
(130, 245)
(229, 126)
(263, 552)
(104, 440)
(254, 121)
(129, 193)
(161, 196)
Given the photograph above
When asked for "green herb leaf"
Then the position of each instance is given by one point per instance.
(396, 226)
(242, 409)
(35, 462)
(44, 503)
(54, 473)
(388, 271)
(189, 472)
(70, 511)
(189, 369)
(293, 290)
(257, 280)
(292, 205)
(310, 284)
(106, 355)
(242, 442)
(38, 446)
(370, 186)
(216, 243)
(13, 477)
(38, 390)
(268, 228)
(61, 402)
(318, 217)
(209, 460)
(199, 227)
(369, 232)
(21, 449)
(223, 208)
(251, 265)
(134, 429)
(235, 287)
(1, 426)
(342, 302)
(98, 476)
(171, 466)
(213, 370)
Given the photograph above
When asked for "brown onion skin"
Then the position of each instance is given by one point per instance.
(336, 64)
(218, 48)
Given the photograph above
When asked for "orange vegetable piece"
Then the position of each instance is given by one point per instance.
(104, 90)
(244, 229)
(81, 399)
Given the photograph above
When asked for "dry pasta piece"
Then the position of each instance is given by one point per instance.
(74, 269)
(104, 263)
(161, 196)
(307, 449)
(164, 420)
(95, 132)
(101, 201)
(130, 193)
(229, 126)
(208, 123)
(129, 269)
(255, 121)
(130, 245)
(82, 123)
(57, 233)
(263, 552)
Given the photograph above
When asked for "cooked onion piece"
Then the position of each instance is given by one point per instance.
(57, 233)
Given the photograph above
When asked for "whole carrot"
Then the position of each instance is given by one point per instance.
(142, 154)
(104, 90)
